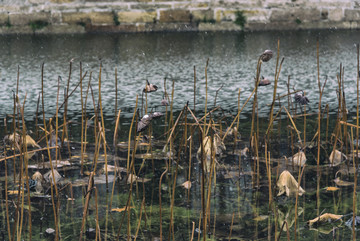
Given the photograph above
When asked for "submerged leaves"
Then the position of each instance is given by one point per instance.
(261, 218)
(49, 178)
(349, 222)
(133, 178)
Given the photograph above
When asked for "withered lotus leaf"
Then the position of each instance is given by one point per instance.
(121, 209)
(37, 176)
(186, 185)
(342, 183)
(336, 157)
(287, 184)
(332, 189)
(133, 178)
(326, 217)
(298, 159)
(16, 138)
(217, 145)
(49, 177)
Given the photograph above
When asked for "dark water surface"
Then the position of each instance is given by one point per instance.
(137, 57)
(232, 63)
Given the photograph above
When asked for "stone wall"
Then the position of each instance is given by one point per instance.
(79, 16)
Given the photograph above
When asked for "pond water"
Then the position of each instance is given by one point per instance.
(137, 57)
(239, 198)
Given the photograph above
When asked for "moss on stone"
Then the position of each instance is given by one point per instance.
(38, 24)
(240, 19)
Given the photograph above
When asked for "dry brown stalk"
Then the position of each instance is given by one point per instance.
(297, 198)
(116, 90)
(206, 90)
(53, 182)
(139, 222)
(27, 153)
(355, 162)
(103, 129)
(87, 200)
(231, 227)
(192, 231)
(26, 160)
(238, 114)
(82, 121)
(194, 88)
(276, 78)
(254, 108)
(129, 140)
(160, 212)
(97, 232)
(114, 142)
(268, 171)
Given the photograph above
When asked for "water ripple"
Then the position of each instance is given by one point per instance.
(155, 56)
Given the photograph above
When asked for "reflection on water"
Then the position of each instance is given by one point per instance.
(239, 197)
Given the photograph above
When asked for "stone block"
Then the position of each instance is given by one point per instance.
(224, 26)
(149, 7)
(355, 24)
(172, 27)
(297, 14)
(137, 17)
(94, 18)
(16, 29)
(332, 3)
(222, 15)
(60, 1)
(10, 8)
(175, 15)
(76, 18)
(336, 14)
(37, 1)
(4, 19)
(27, 18)
(191, 5)
(164, 0)
(352, 14)
(126, 28)
(102, 18)
(144, 1)
(135, 1)
(203, 15)
(238, 4)
(272, 26)
(63, 29)
(256, 15)
(56, 17)
(100, 1)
